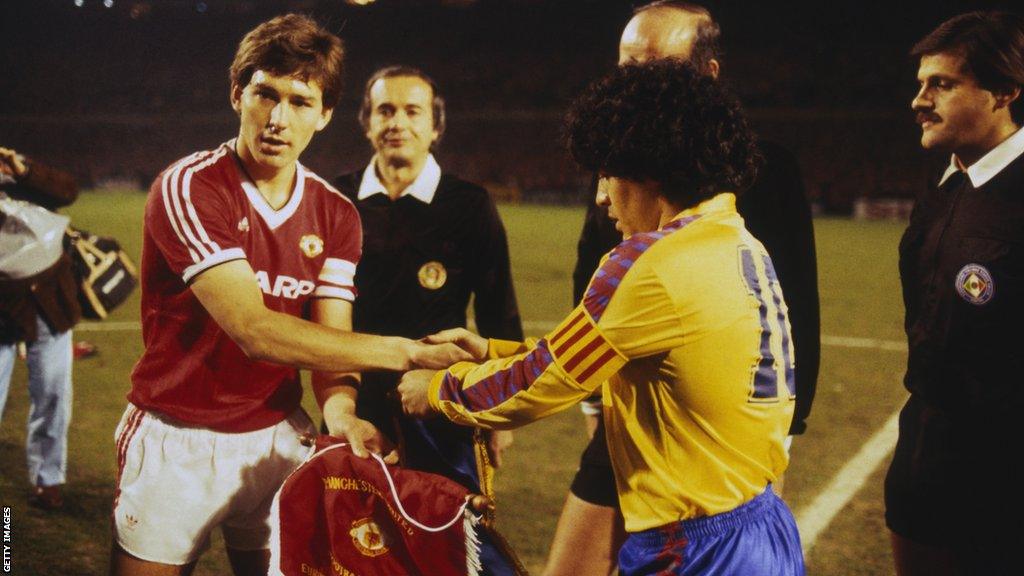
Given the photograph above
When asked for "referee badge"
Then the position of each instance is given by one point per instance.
(311, 245)
(432, 275)
(974, 284)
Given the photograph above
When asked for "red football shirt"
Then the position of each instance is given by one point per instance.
(203, 211)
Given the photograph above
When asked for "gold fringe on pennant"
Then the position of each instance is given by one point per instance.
(485, 471)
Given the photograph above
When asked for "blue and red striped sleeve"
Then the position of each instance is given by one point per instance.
(559, 370)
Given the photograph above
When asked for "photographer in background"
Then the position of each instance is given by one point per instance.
(40, 311)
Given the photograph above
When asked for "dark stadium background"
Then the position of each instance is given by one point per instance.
(116, 93)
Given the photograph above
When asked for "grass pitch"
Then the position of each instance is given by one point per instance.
(858, 389)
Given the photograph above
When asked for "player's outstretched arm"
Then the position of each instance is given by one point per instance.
(497, 440)
(523, 382)
(231, 295)
(519, 382)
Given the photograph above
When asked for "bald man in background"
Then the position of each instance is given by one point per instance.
(776, 211)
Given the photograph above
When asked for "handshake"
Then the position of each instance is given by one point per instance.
(428, 355)
(437, 352)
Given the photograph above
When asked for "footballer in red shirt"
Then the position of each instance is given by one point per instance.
(247, 268)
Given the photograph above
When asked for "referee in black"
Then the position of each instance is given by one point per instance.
(430, 240)
(953, 491)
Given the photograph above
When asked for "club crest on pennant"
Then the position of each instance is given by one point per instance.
(368, 537)
(311, 245)
(974, 284)
(432, 275)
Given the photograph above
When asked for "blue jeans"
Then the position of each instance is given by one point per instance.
(49, 387)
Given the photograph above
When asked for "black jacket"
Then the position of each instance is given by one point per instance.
(408, 247)
(461, 230)
(962, 268)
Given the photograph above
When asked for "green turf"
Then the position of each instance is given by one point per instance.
(858, 389)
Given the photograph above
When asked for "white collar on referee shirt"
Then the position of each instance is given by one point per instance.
(990, 164)
(422, 188)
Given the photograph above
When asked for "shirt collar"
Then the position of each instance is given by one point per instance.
(273, 217)
(422, 188)
(721, 202)
(990, 164)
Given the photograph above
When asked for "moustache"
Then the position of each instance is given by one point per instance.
(923, 117)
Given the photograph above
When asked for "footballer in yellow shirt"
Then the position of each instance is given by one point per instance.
(684, 325)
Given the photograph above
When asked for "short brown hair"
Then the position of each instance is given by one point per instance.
(292, 45)
(992, 47)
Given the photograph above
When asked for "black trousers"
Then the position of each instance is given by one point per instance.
(949, 487)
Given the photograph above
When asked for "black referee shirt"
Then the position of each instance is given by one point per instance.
(422, 261)
(962, 268)
(420, 264)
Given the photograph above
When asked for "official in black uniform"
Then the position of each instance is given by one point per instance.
(430, 240)
(776, 212)
(953, 491)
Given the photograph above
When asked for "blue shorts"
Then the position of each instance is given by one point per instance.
(759, 538)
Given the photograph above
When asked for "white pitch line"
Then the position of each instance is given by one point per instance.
(815, 517)
(542, 326)
(852, 342)
(107, 326)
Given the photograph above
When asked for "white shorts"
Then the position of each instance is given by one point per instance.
(176, 483)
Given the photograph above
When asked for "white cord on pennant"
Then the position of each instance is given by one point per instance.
(398, 503)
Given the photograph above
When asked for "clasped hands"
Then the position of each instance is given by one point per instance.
(430, 354)
(413, 387)
(415, 384)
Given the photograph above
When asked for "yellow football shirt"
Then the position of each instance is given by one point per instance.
(687, 330)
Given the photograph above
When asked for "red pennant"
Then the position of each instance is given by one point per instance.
(340, 515)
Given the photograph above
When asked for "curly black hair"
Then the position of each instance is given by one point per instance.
(663, 121)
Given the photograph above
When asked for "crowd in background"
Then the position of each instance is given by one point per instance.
(829, 95)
